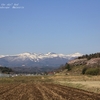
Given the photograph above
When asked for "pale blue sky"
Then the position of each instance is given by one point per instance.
(61, 26)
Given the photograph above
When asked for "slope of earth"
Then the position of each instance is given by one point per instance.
(91, 62)
(33, 88)
(77, 66)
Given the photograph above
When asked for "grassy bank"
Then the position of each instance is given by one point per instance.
(88, 83)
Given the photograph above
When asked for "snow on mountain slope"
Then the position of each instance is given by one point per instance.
(2, 56)
(75, 55)
(35, 56)
(36, 59)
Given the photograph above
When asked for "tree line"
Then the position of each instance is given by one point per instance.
(95, 55)
(5, 70)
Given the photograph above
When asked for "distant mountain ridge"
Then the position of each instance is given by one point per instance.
(41, 55)
(27, 60)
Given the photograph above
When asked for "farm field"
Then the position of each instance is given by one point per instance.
(40, 88)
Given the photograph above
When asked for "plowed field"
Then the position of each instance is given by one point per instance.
(43, 91)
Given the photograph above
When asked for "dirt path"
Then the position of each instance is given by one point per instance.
(44, 91)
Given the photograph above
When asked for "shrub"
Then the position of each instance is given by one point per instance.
(67, 66)
(84, 70)
(92, 71)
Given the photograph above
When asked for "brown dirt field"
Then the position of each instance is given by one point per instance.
(43, 91)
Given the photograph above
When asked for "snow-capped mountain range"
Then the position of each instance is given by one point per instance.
(27, 60)
(36, 56)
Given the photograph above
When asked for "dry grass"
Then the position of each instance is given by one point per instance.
(89, 83)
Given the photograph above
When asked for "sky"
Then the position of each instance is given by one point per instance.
(41, 26)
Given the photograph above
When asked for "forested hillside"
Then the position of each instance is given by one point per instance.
(86, 64)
